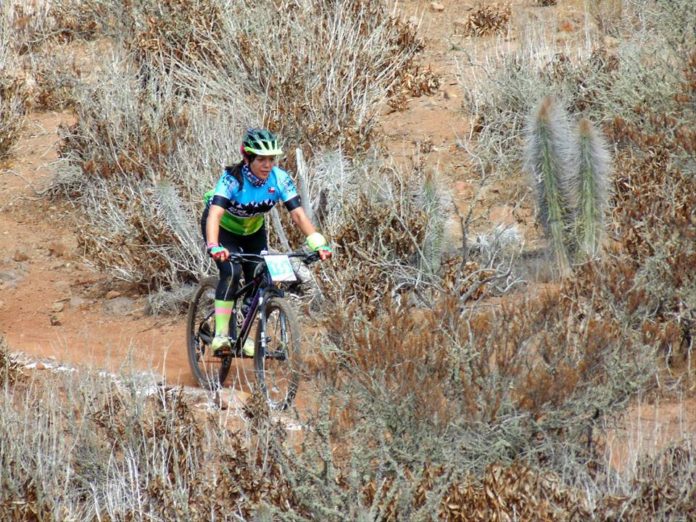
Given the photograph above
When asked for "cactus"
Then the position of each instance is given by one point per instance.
(592, 185)
(433, 243)
(550, 158)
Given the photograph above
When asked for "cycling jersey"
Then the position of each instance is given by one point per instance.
(245, 206)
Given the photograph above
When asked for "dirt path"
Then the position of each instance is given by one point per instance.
(52, 304)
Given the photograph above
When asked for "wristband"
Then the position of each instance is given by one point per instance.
(212, 245)
(315, 241)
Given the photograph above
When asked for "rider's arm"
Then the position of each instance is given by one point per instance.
(212, 225)
(300, 218)
(212, 233)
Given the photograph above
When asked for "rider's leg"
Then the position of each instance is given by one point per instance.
(228, 283)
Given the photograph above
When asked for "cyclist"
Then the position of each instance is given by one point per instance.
(233, 220)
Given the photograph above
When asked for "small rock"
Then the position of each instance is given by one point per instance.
(77, 302)
(435, 6)
(119, 306)
(8, 275)
(20, 256)
(57, 306)
(62, 286)
(113, 294)
(40, 366)
(57, 249)
(10, 278)
(55, 321)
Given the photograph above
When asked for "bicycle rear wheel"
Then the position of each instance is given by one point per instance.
(278, 368)
(209, 371)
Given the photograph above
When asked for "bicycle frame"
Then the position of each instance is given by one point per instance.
(259, 288)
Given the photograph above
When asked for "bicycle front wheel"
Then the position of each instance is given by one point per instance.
(209, 371)
(278, 366)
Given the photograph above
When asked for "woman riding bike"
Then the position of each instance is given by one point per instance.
(234, 221)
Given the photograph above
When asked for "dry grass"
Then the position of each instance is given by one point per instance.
(487, 19)
(429, 399)
(13, 91)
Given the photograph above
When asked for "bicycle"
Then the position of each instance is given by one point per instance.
(277, 339)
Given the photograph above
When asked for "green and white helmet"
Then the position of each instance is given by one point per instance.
(260, 142)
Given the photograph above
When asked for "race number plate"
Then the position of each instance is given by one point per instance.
(280, 268)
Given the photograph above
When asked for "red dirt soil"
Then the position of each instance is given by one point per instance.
(52, 304)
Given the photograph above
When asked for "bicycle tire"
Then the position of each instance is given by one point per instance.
(278, 370)
(209, 371)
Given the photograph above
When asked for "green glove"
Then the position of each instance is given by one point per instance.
(317, 242)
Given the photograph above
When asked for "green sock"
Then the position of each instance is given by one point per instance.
(223, 312)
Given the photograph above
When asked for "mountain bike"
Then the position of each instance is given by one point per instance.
(259, 305)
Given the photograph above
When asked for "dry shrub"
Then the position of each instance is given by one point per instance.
(10, 370)
(121, 129)
(13, 98)
(654, 222)
(140, 235)
(379, 235)
(41, 23)
(414, 82)
(460, 389)
(356, 51)
(549, 362)
(123, 143)
(514, 492)
(78, 19)
(489, 19)
(607, 14)
(55, 78)
(387, 225)
(662, 489)
(176, 32)
(13, 92)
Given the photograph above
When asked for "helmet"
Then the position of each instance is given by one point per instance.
(260, 142)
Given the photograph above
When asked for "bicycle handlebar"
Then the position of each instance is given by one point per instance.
(307, 257)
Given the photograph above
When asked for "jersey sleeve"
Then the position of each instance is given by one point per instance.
(226, 186)
(286, 186)
(287, 190)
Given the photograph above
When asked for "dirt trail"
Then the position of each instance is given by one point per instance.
(52, 304)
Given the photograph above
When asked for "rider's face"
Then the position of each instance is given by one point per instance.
(262, 165)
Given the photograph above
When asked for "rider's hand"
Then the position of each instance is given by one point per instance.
(325, 252)
(218, 252)
(318, 244)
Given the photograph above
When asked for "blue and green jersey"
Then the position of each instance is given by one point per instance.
(245, 206)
